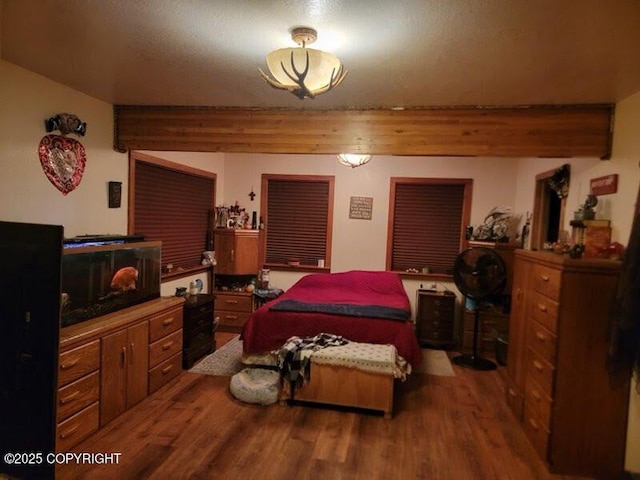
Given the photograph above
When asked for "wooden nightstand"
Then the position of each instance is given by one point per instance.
(435, 318)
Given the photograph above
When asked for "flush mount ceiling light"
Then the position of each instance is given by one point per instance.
(305, 72)
(353, 160)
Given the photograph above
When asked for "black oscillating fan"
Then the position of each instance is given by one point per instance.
(478, 273)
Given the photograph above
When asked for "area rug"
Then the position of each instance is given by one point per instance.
(435, 362)
(225, 361)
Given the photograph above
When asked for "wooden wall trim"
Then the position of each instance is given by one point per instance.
(533, 131)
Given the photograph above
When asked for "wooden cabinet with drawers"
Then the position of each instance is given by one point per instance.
(236, 251)
(198, 329)
(557, 384)
(232, 309)
(489, 322)
(78, 394)
(165, 348)
(435, 318)
(109, 363)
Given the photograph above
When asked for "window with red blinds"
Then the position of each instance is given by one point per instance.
(427, 219)
(172, 204)
(298, 214)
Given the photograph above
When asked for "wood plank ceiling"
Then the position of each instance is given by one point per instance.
(534, 131)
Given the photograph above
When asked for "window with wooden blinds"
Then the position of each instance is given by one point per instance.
(427, 220)
(171, 203)
(298, 215)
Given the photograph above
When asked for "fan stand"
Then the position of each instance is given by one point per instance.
(474, 361)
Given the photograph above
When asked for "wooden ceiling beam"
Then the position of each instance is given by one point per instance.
(531, 131)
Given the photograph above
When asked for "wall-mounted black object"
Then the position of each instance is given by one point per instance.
(31, 257)
(115, 194)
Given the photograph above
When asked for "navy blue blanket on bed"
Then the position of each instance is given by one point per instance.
(351, 310)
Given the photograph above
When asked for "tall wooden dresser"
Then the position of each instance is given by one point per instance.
(237, 257)
(557, 384)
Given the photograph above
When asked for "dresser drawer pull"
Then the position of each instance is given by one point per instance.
(536, 396)
(167, 321)
(542, 307)
(544, 278)
(71, 364)
(231, 317)
(541, 336)
(69, 397)
(167, 345)
(437, 303)
(512, 392)
(538, 366)
(436, 313)
(231, 302)
(533, 424)
(70, 432)
(167, 369)
(435, 323)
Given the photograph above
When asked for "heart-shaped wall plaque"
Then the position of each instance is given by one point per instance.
(63, 160)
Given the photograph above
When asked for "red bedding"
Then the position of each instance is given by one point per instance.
(267, 329)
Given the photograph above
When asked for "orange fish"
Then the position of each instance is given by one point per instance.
(125, 279)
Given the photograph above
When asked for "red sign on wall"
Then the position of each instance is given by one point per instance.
(604, 185)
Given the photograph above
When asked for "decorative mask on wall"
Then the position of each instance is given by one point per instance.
(63, 159)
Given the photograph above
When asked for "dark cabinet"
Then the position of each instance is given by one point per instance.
(435, 318)
(199, 331)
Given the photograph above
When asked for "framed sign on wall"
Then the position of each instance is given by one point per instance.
(361, 208)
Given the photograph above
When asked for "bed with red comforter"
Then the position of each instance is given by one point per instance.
(361, 306)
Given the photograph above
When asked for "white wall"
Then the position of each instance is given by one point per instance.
(26, 195)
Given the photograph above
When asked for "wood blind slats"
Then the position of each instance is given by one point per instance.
(297, 220)
(427, 225)
(173, 207)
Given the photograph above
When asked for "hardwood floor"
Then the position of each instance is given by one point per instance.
(452, 428)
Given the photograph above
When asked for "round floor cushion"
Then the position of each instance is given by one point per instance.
(255, 385)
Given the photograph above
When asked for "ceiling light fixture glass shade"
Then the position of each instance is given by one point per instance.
(305, 72)
(353, 160)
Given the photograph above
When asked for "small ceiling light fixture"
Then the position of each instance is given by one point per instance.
(305, 72)
(353, 160)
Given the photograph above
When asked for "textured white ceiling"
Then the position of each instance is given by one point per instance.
(398, 52)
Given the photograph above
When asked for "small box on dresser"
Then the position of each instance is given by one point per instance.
(198, 328)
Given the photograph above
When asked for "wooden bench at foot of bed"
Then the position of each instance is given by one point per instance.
(345, 386)
(353, 375)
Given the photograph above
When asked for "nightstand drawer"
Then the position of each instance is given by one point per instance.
(236, 303)
(232, 319)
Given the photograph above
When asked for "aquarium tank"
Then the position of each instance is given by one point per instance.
(100, 277)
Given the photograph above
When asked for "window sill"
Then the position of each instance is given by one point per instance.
(182, 272)
(303, 268)
(428, 276)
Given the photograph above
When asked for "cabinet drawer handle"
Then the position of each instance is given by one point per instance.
(542, 307)
(512, 392)
(437, 303)
(124, 356)
(538, 366)
(536, 396)
(69, 397)
(71, 364)
(167, 321)
(436, 313)
(167, 345)
(231, 317)
(167, 369)
(231, 302)
(533, 424)
(544, 278)
(435, 323)
(70, 432)
(541, 336)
